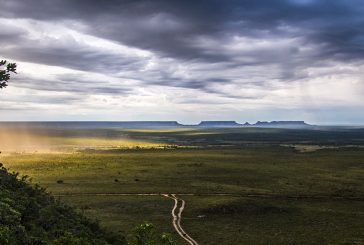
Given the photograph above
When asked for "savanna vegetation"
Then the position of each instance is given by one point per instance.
(29, 215)
(241, 186)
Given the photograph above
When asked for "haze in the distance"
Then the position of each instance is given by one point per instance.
(184, 60)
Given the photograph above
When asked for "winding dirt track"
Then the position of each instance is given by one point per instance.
(176, 221)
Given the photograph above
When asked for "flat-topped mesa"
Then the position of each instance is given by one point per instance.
(219, 124)
(152, 124)
(286, 124)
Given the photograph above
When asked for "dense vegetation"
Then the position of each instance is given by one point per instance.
(29, 215)
(5, 72)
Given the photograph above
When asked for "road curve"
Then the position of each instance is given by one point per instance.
(176, 221)
(177, 218)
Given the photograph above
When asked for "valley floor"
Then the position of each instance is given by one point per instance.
(239, 193)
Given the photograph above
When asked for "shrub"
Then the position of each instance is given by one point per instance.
(29, 215)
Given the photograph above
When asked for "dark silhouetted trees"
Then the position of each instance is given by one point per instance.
(5, 70)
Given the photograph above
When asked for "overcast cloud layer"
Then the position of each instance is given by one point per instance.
(184, 60)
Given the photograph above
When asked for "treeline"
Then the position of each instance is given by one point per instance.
(29, 215)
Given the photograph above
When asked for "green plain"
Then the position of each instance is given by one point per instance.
(303, 197)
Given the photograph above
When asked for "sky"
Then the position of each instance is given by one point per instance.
(187, 60)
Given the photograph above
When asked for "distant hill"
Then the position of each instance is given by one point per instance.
(152, 124)
(272, 124)
(218, 124)
(281, 124)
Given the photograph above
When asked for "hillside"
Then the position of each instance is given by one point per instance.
(209, 124)
(282, 124)
(148, 124)
(31, 216)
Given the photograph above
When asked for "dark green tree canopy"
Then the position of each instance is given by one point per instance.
(5, 70)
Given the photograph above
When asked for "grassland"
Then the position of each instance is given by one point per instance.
(277, 193)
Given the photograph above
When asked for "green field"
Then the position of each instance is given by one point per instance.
(280, 186)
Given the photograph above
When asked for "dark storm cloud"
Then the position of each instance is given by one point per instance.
(167, 26)
(73, 83)
(200, 32)
(17, 43)
(78, 59)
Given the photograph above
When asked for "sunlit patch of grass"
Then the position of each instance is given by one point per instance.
(162, 130)
(38, 141)
(22, 141)
(312, 148)
(307, 148)
(100, 143)
(199, 133)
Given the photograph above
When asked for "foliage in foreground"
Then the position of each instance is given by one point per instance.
(5, 72)
(29, 215)
(145, 234)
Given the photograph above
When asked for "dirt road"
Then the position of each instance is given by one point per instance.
(176, 221)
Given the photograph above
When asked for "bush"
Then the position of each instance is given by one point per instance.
(145, 234)
(29, 215)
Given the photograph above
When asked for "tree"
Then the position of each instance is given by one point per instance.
(145, 234)
(5, 72)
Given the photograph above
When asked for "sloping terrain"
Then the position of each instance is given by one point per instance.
(28, 215)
